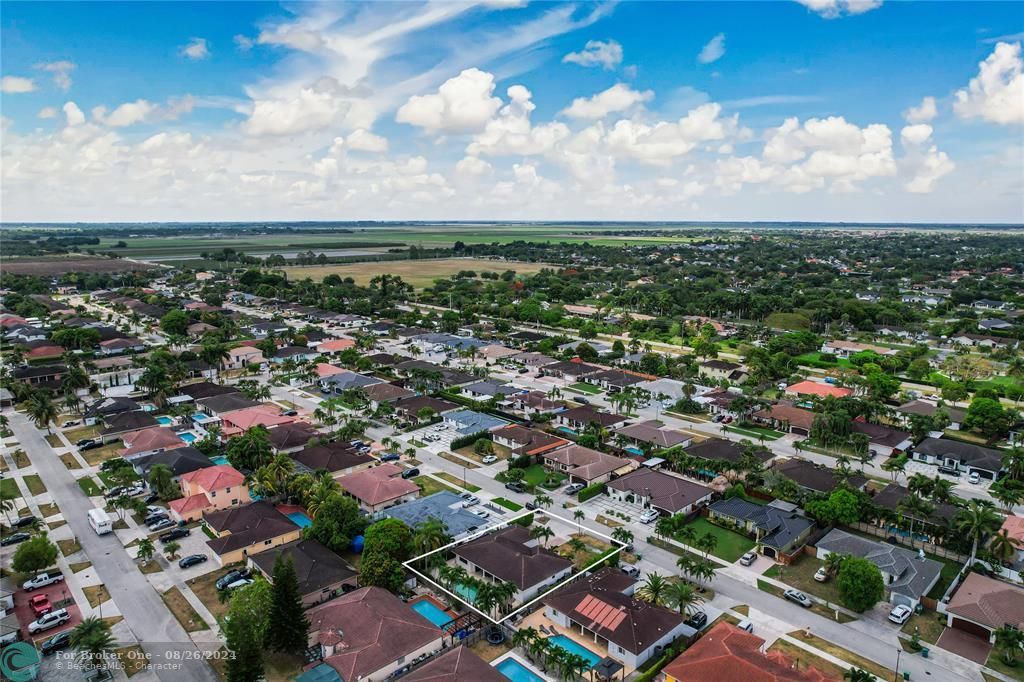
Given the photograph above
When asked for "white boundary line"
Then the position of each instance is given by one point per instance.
(504, 524)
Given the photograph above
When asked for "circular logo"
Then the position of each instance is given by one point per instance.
(19, 662)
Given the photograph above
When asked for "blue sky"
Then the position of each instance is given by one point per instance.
(503, 109)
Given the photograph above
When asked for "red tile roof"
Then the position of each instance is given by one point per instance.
(820, 390)
(184, 505)
(216, 477)
(378, 485)
(727, 653)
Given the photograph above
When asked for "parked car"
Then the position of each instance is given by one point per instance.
(746, 625)
(631, 570)
(290, 413)
(482, 513)
(531, 505)
(648, 516)
(900, 613)
(59, 641)
(42, 580)
(229, 578)
(573, 488)
(73, 422)
(191, 560)
(821, 575)
(24, 522)
(160, 524)
(241, 582)
(516, 487)
(84, 443)
(390, 457)
(469, 499)
(698, 620)
(748, 558)
(489, 459)
(974, 477)
(49, 621)
(798, 597)
(175, 534)
(581, 400)
(40, 604)
(411, 473)
(14, 539)
(155, 516)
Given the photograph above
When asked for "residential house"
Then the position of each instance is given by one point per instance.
(883, 440)
(727, 653)
(570, 371)
(345, 381)
(108, 407)
(652, 435)
(201, 369)
(940, 516)
(240, 421)
(180, 461)
(322, 574)
(115, 372)
(335, 346)
(489, 390)
(615, 380)
(994, 325)
(722, 370)
(1014, 527)
(601, 608)
(989, 304)
(531, 360)
(459, 664)
(385, 394)
(340, 459)
(728, 452)
(116, 426)
(844, 349)
(219, 405)
(929, 409)
(468, 422)
(369, 634)
(496, 351)
(511, 555)
(908, 575)
(292, 437)
(209, 489)
(117, 346)
(786, 418)
(650, 489)
(778, 528)
(295, 354)
(577, 418)
(982, 605)
(535, 402)
(241, 532)
(960, 456)
(149, 441)
(815, 389)
(379, 487)
(410, 408)
(445, 506)
(814, 478)
(587, 466)
(525, 441)
(244, 356)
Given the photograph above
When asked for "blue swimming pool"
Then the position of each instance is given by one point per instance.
(431, 612)
(467, 592)
(219, 459)
(188, 437)
(300, 519)
(166, 421)
(570, 645)
(517, 672)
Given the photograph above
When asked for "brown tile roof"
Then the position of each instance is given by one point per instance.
(372, 628)
(653, 432)
(727, 653)
(249, 525)
(331, 457)
(987, 601)
(586, 463)
(506, 555)
(599, 603)
(316, 567)
(529, 441)
(386, 392)
(666, 491)
(292, 435)
(378, 485)
(796, 416)
(458, 665)
(153, 438)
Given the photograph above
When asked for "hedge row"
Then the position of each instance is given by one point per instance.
(591, 491)
(463, 441)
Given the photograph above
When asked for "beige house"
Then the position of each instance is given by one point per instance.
(209, 490)
(243, 356)
(241, 532)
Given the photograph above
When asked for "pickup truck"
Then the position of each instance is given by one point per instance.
(40, 605)
(42, 580)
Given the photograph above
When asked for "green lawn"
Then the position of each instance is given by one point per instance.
(815, 357)
(89, 486)
(9, 489)
(35, 484)
(800, 574)
(507, 504)
(429, 485)
(756, 432)
(104, 476)
(731, 546)
(583, 387)
(949, 571)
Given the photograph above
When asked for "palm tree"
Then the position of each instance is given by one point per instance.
(543, 533)
(914, 508)
(430, 535)
(92, 637)
(1013, 462)
(1010, 640)
(171, 550)
(161, 480)
(543, 501)
(703, 571)
(682, 596)
(146, 550)
(41, 410)
(7, 503)
(653, 589)
(623, 535)
(579, 516)
(834, 561)
(686, 565)
(1003, 546)
(941, 490)
(858, 675)
(921, 485)
(975, 521)
(525, 638)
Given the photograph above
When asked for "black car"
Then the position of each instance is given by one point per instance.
(191, 560)
(411, 473)
(153, 497)
(88, 444)
(516, 487)
(228, 578)
(175, 534)
(390, 457)
(56, 643)
(290, 413)
(14, 539)
(24, 522)
(532, 505)
(697, 620)
(155, 516)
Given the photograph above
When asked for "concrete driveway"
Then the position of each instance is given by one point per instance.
(971, 647)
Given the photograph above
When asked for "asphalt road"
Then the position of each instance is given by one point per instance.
(174, 656)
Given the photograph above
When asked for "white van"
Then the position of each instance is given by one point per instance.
(100, 521)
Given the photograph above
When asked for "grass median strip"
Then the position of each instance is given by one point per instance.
(35, 484)
(183, 611)
(455, 480)
(89, 486)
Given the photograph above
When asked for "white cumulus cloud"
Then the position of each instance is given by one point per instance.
(61, 72)
(47, 113)
(73, 114)
(604, 53)
(996, 94)
(619, 97)
(922, 113)
(464, 103)
(664, 141)
(512, 133)
(713, 51)
(128, 114)
(196, 49)
(365, 141)
(833, 9)
(15, 85)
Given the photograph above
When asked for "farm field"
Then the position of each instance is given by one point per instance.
(55, 265)
(419, 273)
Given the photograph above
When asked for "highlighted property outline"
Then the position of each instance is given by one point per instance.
(619, 546)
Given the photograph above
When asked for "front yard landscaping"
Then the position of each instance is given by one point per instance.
(183, 611)
(20, 459)
(35, 484)
(205, 588)
(507, 504)
(537, 476)
(81, 433)
(730, 546)
(49, 509)
(96, 594)
(455, 480)
(928, 625)
(97, 455)
(459, 460)
(89, 486)
(583, 387)
(9, 489)
(848, 656)
(807, 659)
(69, 547)
(756, 432)
(430, 485)
(54, 441)
(800, 574)
(69, 461)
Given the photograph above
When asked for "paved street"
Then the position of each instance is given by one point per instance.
(154, 627)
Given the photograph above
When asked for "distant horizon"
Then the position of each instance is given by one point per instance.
(594, 223)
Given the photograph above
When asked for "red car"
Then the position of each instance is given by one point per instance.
(40, 604)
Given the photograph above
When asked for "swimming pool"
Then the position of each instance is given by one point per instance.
(300, 519)
(188, 437)
(570, 645)
(431, 612)
(166, 421)
(467, 592)
(517, 672)
(219, 459)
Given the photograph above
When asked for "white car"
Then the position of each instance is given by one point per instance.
(241, 582)
(489, 459)
(974, 477)
(482, 513)
(900, 614)
(648, 516)
(49, 620)
(821, 575)
(470, 500)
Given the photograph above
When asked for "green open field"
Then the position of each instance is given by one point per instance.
(419, 273)
(730, 547)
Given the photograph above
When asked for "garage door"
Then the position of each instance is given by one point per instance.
(973, 628)
(981, 472)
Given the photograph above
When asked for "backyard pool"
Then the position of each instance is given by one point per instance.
(517, 672)
(300, 519)
(166, 421)
(188, 436)
(431, 612)
(570, 645)
(467, 592)
(219, 459)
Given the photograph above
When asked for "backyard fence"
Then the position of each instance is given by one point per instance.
(929, 547)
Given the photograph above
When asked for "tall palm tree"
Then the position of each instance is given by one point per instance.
(543, 501)
(579, 516)
(623, 535)
(543, 533)
(1003, 546)
(430, 535)
(834, 561)
(1011, 641)
(92, 637)
(161, 480)
(653, 589)
(524, 638)
(41, 410)
(682, 596)
(941, 491)
(915, 508)
(976, 521)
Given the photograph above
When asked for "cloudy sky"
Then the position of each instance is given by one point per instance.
(837, 110)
